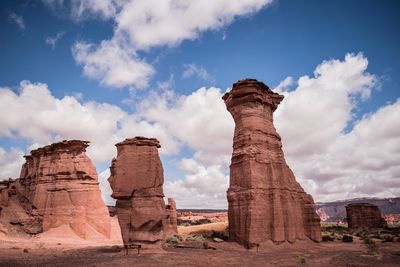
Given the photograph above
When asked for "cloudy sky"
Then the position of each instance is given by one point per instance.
(105, 70)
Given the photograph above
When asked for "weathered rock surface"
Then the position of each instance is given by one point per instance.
(170, 223)
(265, 201)
(58, 186)
(137, 182)
(364, 215)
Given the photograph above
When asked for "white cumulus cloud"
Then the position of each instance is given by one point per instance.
(333, 154)
(141, 25)
(113, 65)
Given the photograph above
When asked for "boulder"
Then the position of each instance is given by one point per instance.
(265, 200)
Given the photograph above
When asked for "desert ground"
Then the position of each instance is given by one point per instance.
(64, 251)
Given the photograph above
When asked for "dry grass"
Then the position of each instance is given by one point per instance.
(187, 230)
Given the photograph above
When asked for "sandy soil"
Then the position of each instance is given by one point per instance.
(23, 253)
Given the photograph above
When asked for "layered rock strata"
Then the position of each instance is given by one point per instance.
(137, 182)
(265, 201)
(364, 215)
(58, 186)
(170, 223)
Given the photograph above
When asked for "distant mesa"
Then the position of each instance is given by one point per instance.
(58, 186)
(364, 215)
(265, 201)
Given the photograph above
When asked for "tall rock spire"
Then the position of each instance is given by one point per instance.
(137, 182)
(265, 201)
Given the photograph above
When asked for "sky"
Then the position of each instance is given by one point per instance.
(106, 70)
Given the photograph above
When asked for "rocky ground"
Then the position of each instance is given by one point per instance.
(332, 253)
(226, 254)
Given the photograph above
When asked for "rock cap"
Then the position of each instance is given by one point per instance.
(249, 90)
(140, 141)
(65, 145)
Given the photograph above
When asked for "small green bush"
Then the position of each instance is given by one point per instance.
(302, 260)
(371, 245)
(388, 238)
(347, 238)
(171, 240)
(220, 234)
(326, 238)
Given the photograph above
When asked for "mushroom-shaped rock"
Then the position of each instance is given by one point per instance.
(265, 201)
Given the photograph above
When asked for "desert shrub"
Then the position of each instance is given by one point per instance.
(197, 237)
(371, 245)
(387, 238)
(362, 234)
(201, 221)
(301, 259)
(220, 234)
(252, 245)
(333, 228)
(347, 238)
(182, 222)
(171, 240)
(326, 238)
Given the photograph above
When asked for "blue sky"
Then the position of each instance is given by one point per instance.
(98, 70)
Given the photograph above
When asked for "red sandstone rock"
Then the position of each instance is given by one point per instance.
(137, 182)
(170, 223)
(364, 215)
(265, 201)
(58, 185)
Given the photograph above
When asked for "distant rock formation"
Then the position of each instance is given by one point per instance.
(170, 223)
(364, 215)
(336, 210)
(265, 201)
(58, 186)
(137, 182)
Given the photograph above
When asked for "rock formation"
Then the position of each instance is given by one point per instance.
(170, 223)
(58, 185)
(265, 201)
(137, 182)
(364, 215)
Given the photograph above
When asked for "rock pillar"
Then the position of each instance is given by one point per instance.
(265, 201)
(170, 225)
(137, 182)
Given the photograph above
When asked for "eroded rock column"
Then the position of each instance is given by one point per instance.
(137, 182)
(265, 201)
(170, 224)
(58, 186)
